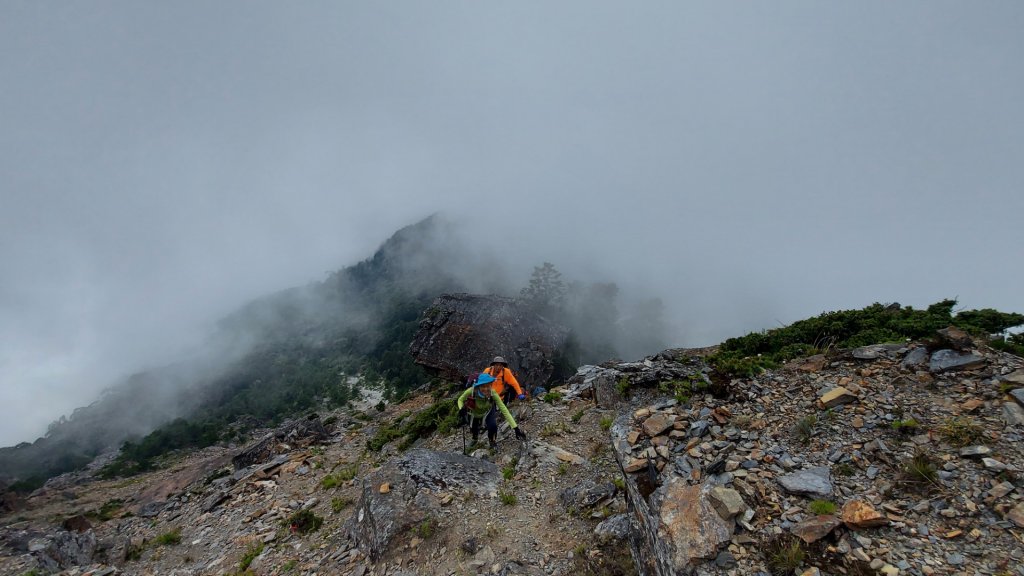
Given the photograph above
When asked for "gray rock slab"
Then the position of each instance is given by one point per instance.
(614, 528)
(809, 482)
(1018, 395)
(916, 357)
(1013, 414)
(945, 360)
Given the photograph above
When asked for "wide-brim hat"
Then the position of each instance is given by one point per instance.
(483, 379)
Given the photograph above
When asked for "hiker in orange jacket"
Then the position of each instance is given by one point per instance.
(505, 382)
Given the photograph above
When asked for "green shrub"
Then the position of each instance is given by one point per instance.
(251, 554)
(171, 538)
(508, 472)
(785, 555)
(960, 431)
(623, 385)
(606, 423)
(507, 497)
(804, 429)
(552, 397)
(340, 503)
(820, 507)
(905, 426)
(304, 522)
(426, 528)
(578, 416)
(441, 416)
(876, 324)
(920, 469)
(109, 509)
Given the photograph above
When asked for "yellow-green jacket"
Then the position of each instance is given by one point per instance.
(479, 407)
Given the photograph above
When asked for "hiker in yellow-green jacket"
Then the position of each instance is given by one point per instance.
(475, 407)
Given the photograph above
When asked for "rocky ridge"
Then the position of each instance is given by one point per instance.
(896, 459)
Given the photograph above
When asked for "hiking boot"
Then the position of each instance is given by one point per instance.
(492, 441)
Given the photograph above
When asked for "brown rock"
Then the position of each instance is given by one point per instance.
(658, 424)
(955, 338)
(633, 436)
(814, 363)
(858, 514)
(635, 465)
(815, 528)
(690, 522)
(385, 488)
(1016, 515)
(972, 405)
(835, 397)
(77, 523)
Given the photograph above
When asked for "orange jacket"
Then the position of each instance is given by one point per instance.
(503, 376)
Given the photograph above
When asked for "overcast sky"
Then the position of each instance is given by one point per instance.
(751, 163)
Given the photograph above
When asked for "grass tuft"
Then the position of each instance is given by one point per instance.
(171, 538)
(960, 432)
(251, 554)
(920, 469)
(820, 507)
(507, 497)
(785, 555)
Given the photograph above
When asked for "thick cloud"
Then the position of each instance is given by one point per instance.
(161, 163)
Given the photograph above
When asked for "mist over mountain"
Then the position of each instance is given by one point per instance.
(298, 348)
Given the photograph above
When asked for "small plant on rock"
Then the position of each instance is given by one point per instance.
(507, 497)
(508, 472)
(552, 397)
(622, 386)
(920, 469)
(606, 423)
(960, 432)
(304, 522)
(907, 426)
(251, 553)
(820, 507)
(785, 555)
(171, 538)
(804, 429)
(578, 416)
(340, 503)
(427, 528)
(845, 469)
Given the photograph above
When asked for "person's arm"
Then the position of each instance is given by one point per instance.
(510, 378)
(463, 396)
(504, 410)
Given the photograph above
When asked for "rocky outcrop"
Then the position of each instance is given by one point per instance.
(294, 433)
(407, 491)
(459, 334)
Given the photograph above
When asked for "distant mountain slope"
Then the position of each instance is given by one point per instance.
(282, 353)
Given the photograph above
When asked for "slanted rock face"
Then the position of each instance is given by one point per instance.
(459, 334)
(405, 492)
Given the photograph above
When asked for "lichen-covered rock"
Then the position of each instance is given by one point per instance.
(413, 484)
(459, 334)
(65, 550)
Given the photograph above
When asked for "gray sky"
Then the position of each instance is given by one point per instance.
(751, 163)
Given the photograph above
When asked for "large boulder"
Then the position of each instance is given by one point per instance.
(675, 526)
(459, 334)
(407, 491)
